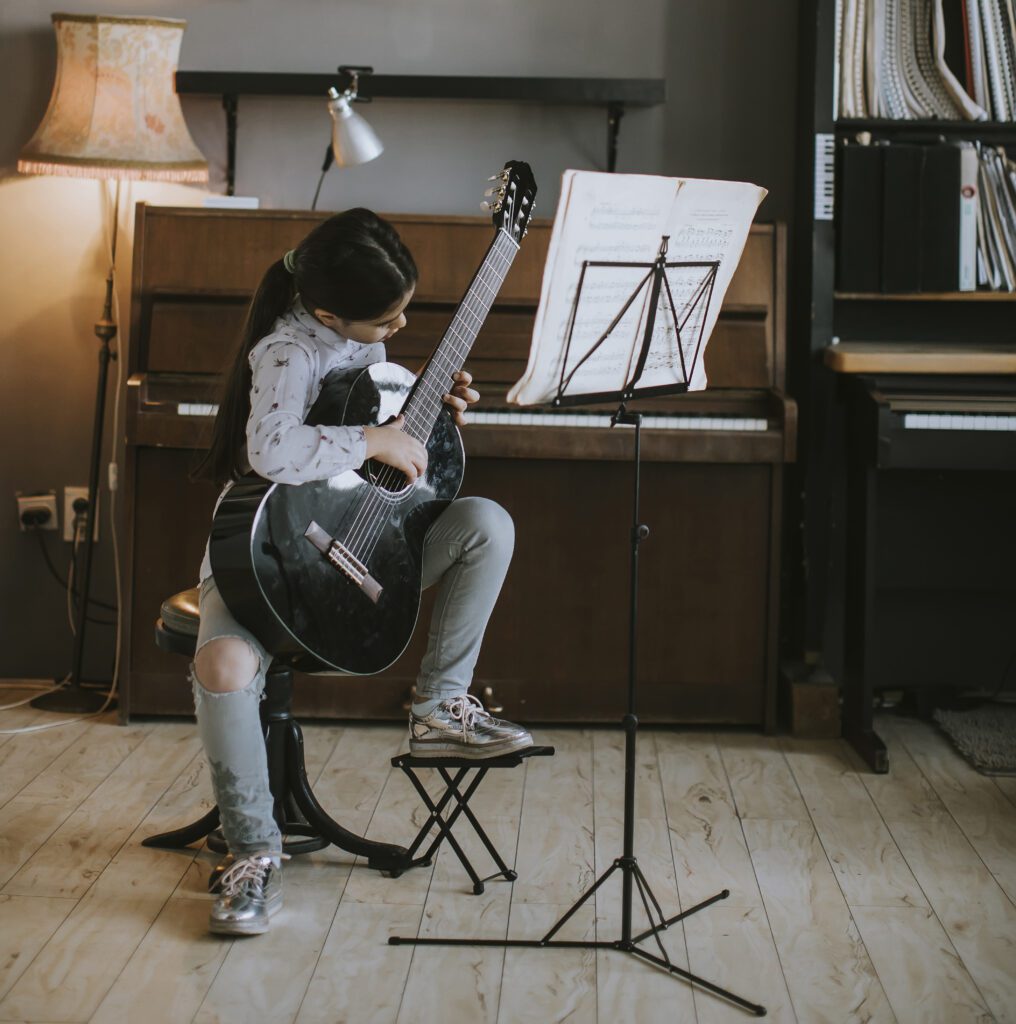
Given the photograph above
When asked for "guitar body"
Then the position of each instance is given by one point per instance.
(303, 608)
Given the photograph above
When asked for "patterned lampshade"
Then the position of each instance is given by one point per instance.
(114, 112)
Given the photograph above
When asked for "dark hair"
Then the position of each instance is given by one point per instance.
(355, 266)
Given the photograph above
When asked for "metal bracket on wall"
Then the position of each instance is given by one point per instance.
(616, 94)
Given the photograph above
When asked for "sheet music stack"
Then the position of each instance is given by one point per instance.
(996, 219)
(916, 59)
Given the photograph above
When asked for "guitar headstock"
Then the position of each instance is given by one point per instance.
(512, 198)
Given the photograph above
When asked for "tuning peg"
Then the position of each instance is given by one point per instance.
(494, 192)
(490, 206)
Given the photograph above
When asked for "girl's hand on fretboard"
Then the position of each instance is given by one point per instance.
(461, 396)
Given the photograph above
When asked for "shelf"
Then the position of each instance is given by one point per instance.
(630, 92)
(614, 94)
(978, 129)
(910, 357)
(982, 296)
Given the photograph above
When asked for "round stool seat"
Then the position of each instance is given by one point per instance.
(180, 612)
(176, 631)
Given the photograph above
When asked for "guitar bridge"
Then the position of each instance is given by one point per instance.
(342, 558)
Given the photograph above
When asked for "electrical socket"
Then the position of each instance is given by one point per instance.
(33, 502)
(71, 495)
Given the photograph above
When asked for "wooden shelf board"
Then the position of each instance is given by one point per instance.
(910, 357)
(983, 296)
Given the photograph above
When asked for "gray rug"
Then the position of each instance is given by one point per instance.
(985, 736)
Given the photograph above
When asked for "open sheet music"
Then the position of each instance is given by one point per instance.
(621, 218)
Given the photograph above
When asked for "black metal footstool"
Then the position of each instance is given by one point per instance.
(453, 791)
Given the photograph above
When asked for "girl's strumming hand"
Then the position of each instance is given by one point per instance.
(391, 445)
(461, 396)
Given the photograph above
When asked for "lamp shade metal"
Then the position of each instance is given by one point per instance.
(353, 140)
(114, 112)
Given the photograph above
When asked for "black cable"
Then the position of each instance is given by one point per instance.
(325, 164)
(63, 583)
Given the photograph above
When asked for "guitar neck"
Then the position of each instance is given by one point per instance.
(424, 404)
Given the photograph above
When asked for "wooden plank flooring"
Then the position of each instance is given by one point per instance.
(853, 897)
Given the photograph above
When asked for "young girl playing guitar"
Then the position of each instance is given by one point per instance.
(330, 304)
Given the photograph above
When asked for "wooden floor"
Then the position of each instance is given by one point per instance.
(853, 897)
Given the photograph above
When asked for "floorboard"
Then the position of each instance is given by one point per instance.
(852, 896)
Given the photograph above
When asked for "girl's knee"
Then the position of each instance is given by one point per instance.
(493, 523)
(226, 664)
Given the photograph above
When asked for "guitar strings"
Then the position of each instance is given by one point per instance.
(416, 419)
(369, 525)
(376, 508)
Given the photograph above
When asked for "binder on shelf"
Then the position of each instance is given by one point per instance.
(859, 219)
(940, 219)
(968, 218)
(902, 202)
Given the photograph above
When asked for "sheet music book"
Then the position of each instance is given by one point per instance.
(621, 218)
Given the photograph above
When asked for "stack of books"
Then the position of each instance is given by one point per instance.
(925, 218)
(918, 59)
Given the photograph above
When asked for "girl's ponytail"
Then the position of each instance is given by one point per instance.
(226, 458)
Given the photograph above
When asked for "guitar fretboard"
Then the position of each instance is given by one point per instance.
(435, 382)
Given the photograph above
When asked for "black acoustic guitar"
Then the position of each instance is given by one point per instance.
(327, 574)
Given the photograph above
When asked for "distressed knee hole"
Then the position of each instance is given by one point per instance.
(226, 664)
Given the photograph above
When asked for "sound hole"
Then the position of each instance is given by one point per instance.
(387, 479)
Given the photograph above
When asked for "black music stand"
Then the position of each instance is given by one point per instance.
(632, 875)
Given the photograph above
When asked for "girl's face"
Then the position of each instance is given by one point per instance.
(368, 332)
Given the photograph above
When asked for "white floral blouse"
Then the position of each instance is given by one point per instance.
(288, 368)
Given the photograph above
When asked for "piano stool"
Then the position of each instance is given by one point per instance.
(304, 824)
(462, 766)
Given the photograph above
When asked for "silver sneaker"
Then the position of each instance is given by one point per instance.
(250, 892)
(462, 727)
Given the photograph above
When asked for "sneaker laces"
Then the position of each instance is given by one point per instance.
(247, 869)
(466, 709)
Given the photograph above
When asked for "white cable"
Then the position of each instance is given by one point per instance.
(113, 472)
(76, 530)
(45, 689)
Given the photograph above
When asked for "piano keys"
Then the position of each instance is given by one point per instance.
(554, 651)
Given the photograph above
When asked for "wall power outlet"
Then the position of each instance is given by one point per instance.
(71, 495)
(37, 503)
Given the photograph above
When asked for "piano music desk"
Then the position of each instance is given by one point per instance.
(930, 500)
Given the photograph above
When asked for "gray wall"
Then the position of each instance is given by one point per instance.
(729, 66)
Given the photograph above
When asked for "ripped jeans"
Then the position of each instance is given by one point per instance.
(466, 553)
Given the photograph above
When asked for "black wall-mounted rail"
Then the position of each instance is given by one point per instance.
(616, 94)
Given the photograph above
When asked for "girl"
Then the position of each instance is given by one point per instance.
(330, 304)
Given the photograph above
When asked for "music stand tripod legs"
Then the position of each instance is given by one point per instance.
(633, 878)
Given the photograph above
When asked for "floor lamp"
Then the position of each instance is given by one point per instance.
(113, 114)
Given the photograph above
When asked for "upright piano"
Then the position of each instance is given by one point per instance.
(556, 647)
(931, 523)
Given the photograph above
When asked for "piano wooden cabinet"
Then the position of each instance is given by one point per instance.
(556, 647)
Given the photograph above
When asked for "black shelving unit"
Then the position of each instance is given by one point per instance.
(851, 597)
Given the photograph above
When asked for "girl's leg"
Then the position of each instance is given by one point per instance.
(466, 553)
(229, 679)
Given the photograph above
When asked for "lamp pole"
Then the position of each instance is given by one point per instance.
(74, 697)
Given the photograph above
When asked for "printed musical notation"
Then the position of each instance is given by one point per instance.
(618, 219)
